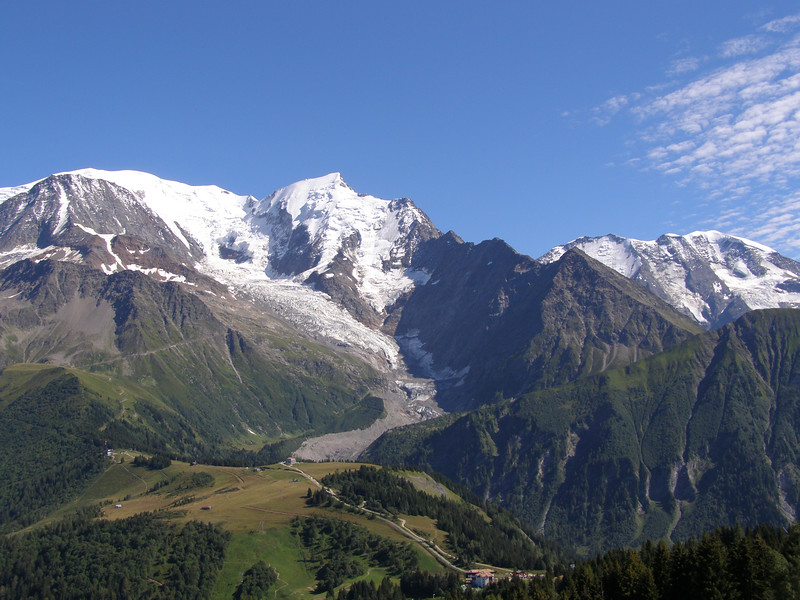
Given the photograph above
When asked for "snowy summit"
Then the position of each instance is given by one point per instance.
(711, 276)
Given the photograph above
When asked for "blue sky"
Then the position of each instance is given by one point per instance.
(535, 122)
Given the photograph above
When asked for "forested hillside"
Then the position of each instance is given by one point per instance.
(729, 564)
(668, 447)
(139, 557)
(476, 531)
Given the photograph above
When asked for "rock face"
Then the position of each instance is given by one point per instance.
(491, 323)
(84, 219)
(708, 275)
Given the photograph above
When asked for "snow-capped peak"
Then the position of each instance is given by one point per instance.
(305, 198)
(197, 210)
(324, 221)
(296, 232)
(710, 275)
(312, 201)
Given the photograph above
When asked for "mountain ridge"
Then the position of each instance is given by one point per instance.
(712, 276)
(322, 233)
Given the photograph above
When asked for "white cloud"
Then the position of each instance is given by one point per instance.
(733, 131)
(609, 108)
(782, 25)
(749, 44)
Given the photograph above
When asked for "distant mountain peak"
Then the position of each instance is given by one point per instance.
(302, 197)
(312, 231)
(711, 276)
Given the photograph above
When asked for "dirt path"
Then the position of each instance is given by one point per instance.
(285, 583)
(146, 487)
(427, 546)
(232, 473)
(274, 512)
(155, 351)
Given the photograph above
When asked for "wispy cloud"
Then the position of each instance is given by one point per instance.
(733, 130)
(605, 112)
(777, 224)
(749, 44)
(684, 65)
(782, 25)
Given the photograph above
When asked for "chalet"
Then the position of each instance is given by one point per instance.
(480, 578)
(289, 461)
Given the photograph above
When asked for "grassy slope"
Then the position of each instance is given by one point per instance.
(256, 507)
(55, 423)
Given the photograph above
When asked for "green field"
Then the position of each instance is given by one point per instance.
(256, 506)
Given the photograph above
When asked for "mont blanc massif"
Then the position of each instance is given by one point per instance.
(611, 392)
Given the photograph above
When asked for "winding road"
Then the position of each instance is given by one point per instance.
(426, 545)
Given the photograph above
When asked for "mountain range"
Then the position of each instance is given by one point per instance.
(599, 391)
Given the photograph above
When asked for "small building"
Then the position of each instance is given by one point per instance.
(480, 578)
(205, 508)
(118, 506)
(289, 461)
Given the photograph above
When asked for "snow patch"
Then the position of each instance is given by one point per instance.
(414, 348)
(63, 210)
(107, 237)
